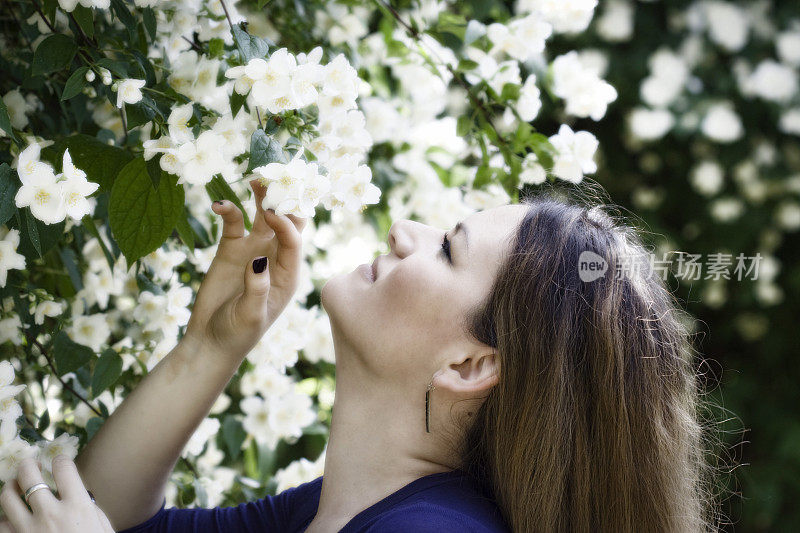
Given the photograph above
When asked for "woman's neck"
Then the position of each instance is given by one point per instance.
(377, 445)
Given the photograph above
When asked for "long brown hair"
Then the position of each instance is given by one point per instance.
(595, 424)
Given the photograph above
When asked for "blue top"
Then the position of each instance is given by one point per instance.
(436, 503)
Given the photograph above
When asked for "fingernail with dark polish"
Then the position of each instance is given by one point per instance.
(259, 265)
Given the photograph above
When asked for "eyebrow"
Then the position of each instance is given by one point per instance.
(459, 227)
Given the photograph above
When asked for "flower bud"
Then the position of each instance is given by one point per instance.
(90, 76)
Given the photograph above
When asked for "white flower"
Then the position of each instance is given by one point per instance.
(351, 185)
(566, 16)
(586, 94)
(201, 159)
(649, 124)
(790, 121)
(295, 187)
(339, 77)
(728, 25)
(290, 413)
(207, 429)
(129, 91)
(707, 178)
(18, 109)
(75, 189)
(11, 330)
(90, 330)
(722, 124)
(773, 81)
(575, 154)
(529, 103)
(257, 420)
(9, 258)
(64, 444)
(48, 308)
(521, 39)
(788, 46)
(616, 22)
(668, 75)
(14, 451)
(179, 131)
(532, 171)
(9, 407)
(43, 194)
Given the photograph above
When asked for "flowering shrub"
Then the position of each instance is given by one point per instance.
(121, 121)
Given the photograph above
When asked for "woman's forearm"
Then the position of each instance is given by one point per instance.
(127, 463)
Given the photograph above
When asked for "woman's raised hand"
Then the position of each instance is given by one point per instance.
(72, 511)
(250, 281)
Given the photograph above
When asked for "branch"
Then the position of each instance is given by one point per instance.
(63, 383)
(227, 16)
(41, 14)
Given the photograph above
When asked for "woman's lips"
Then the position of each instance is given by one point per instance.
(366, 271)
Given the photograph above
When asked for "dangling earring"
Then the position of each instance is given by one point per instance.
(427, 406)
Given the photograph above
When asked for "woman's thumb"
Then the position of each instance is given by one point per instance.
(256, 287)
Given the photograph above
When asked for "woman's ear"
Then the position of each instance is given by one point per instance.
(474, 374)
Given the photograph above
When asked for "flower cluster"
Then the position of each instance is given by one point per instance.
(337, 178)
(52, 197)
(13, 449)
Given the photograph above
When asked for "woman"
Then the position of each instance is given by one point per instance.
(482, 384)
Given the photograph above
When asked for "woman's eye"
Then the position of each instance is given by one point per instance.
(446, 248)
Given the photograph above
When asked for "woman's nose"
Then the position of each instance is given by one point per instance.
(401, 237)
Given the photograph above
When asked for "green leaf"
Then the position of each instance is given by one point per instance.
(216, 47)
(145, 284)
(92, 426)
(101, 162)
(464, 125)
(69, 355)
(75, 83)
(149, 19)
(118, 68)
(465, 65)
(249, 46)
(510, 91)
(233, 434)
(141, 112)
(33, 231)
(452, 23)
(125, 16)
(44, 421)
(237, 101)
(54, 53)
(85, 19)
(36, 237)
(218, 189)
(264, 150)
(8, 190)
(88, 223)
(142, 218)
(106, 371)
(154, 170)
(5, 121)
(185, 231)
(70, 262)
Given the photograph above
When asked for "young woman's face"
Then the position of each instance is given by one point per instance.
(408, 322)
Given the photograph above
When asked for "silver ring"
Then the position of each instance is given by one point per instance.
(33, 489)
